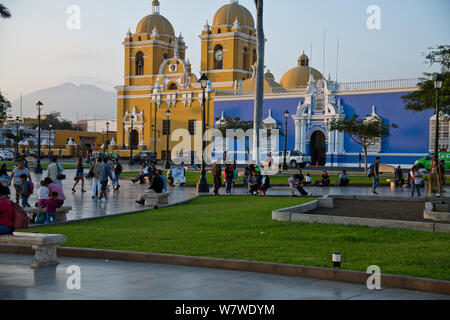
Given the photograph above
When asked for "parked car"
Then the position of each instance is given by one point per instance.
(293, 158)
(150, 157)
(6, 155)
(425, 162)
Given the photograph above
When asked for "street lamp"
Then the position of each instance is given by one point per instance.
(131, 161)
(167, 164)
(49, 139)
(202, 186)
(17, 138)
(38, 168)
(107, 134)
(437, 85)
(286, 116)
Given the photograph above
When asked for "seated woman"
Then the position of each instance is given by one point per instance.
(308, 179)
(253, 184)
(325, 181)
(344, 179)
(6, 212)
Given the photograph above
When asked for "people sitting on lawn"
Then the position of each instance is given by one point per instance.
(398, 177)
(308, 179)
(157, 186)
(344, 179)
(325, 180)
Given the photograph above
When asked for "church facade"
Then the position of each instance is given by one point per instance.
(158, 78)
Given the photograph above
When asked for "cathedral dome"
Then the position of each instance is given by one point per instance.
(155, 20)
(228, 14)
(299, 76)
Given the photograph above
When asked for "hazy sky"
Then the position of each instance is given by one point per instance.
(38, 50)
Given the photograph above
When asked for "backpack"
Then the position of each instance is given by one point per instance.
(30, 188)
(21, 219)
(371, 171)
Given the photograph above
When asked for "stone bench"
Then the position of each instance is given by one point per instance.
(45, 246)
(61, 213)
(153, 199)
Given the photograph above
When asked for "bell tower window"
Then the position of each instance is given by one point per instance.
(246, 58)
(218, 58)
(139, 64)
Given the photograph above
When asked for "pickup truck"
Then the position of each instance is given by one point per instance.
(294, 159)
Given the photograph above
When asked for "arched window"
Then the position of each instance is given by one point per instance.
(246, 58)
(173, 86)
(219, 31)
(255, 56)
(139, 64)
(218, 58)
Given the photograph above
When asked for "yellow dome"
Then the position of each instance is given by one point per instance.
(148, 24)
(270, 86)
(299, 77)
(228, 13)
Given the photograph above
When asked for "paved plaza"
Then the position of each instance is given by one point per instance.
(105, 279)
(124, 200)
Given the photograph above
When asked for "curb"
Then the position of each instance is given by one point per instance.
(387, 280)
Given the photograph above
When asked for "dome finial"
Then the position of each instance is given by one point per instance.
(155, 7)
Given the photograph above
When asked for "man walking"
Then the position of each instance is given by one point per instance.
(375, 173)
(104, 172)
(216, 172)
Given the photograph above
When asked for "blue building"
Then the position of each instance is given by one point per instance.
(314, 102)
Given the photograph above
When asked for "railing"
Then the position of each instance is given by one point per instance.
(378, 84)
(344, 86)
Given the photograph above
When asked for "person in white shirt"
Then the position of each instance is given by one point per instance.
(416, 180)
(308, 179)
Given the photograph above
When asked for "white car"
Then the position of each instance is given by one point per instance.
(6, 155)
(294, 159)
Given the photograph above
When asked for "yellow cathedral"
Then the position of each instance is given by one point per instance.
(158, 77)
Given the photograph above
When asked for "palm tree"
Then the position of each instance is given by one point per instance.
(259, 98)
(4, 12)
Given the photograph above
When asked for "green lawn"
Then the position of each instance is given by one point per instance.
(192, 177)
(242, 228)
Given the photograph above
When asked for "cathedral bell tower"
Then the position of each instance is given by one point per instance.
(229, 45)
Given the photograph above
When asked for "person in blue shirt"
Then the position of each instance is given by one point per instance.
(160, 174)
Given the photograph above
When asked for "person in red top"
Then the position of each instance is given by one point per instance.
(51, 204)
(6, 211)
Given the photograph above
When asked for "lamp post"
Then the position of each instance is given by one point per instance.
(17, 138)
(131, 161)
(38, 168)
(202, 186)
(286, 116)
(107, 136)
(437, 85)
(167, 164)
(49, 140)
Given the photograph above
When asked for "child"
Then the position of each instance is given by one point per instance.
(43, 193)
(51, 205)
(25, 190)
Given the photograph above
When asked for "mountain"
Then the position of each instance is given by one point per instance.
(69, 99)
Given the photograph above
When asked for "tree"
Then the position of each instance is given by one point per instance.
(17, 137)
(235, 123)
(259, 99)
(363, 132)
(4, 12)
(5, 105)
(54, 119)
(425, 97)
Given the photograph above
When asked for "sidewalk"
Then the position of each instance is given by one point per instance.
(104, 279)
